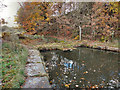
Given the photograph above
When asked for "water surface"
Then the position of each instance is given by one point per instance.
(82, 68)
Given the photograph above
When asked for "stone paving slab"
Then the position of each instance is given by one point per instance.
(34, 52)
(33, 69)
(36, 75)
(37, 82)
(36, 59)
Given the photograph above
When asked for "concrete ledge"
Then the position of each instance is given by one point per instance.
(36, 75)
(34, 69)
(34, 59)
(37, 82)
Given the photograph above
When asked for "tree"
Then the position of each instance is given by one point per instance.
(60, 24)
(33, 15)
(2, 21)
(104, 20)
(80, 17)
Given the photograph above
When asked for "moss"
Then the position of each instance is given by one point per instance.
(52, 46)
(72, 44)
(41, 75)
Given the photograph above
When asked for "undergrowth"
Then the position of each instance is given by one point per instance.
(13, 64)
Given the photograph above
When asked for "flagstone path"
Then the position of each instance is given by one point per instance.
(36, 75)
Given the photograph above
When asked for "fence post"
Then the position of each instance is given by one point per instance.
(80, 33)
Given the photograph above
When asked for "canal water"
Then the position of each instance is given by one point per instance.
(82, 68)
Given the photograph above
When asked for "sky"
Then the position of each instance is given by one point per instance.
(9, 12)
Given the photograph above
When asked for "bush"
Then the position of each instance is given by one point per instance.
(9, 34)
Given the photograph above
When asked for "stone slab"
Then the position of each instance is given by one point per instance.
(37, 82)
(36, 59)
(36, 75)
(33, 69)
(34, 52)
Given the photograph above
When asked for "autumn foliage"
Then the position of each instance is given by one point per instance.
(33, 15)
(104, 20)
(98, 20)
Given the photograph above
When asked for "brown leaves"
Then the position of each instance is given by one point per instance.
(103, 19)
(33, 14)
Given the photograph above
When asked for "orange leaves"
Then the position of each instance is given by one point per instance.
(48, 19)
(46, 14)
(85, 72)
(82, 78)
(67, 85)
(77, 37)
(104, 19)
(33, 14)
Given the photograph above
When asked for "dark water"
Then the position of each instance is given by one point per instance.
(82, 68)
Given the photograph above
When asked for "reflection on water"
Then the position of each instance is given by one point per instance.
(82, 68)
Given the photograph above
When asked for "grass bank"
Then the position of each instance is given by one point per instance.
(53, 42)
(70, 45)
(13, 65)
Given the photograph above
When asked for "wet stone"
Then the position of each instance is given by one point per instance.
(113, 49)
(36, 75)
(34, 52)
(34, 56)
(36, 59)
(33, 69)
(37, 82)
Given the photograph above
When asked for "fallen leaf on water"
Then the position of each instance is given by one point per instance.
(74, 77)
(85, 72)
(82, 78)
(66, 76)
(83, 61)
(50, 82)
(93, 86)
(94, 70)
(96, 85)
(67, 85)
(77, 85)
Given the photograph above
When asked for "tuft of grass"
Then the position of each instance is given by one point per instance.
(51, 39)
(41, 75)
(13, 64)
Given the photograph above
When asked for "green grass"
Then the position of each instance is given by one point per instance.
(72, 44)
(13, 65)
(60, 46)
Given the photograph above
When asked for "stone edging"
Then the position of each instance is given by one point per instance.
(36, 74)
(105, 48)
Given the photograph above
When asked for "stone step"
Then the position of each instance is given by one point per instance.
(35, 59)
(36, 75)
(33, 52)
(33, 69)
(37, 82)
